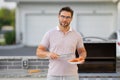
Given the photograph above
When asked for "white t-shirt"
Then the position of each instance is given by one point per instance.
(58, 42)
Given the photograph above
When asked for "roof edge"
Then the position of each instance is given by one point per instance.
(113, 1)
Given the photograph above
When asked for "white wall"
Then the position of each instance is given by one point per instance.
(100, 25)
(92, 19)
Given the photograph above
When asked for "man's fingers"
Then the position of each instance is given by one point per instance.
(54, 56)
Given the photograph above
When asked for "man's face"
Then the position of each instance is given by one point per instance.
(65, 18)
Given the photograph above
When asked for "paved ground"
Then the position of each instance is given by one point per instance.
(17, 50)
(22, 78)
(83, 76)
(45, 79)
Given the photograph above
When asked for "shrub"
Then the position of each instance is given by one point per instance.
(10, 37)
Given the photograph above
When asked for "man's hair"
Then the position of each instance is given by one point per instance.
(68, 9)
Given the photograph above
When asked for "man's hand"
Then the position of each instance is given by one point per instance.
(77, 60)
(52, 56)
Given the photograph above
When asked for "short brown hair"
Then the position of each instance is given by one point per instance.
(68, 9)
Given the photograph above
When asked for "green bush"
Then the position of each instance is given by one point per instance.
(10, 37)
(7, 17)
(2, 42)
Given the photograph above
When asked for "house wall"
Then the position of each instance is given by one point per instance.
(33, 19)
(90, 19)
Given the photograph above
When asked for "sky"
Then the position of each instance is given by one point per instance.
(9, 5)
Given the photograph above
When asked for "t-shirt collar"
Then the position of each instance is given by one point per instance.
(59, 28)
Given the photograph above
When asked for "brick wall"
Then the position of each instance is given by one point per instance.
(17, 63)
(13, 66)
(118, 65)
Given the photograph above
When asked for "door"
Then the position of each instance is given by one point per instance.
(37, 25)
(99, 25)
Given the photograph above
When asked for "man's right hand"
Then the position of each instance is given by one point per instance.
(52, 55)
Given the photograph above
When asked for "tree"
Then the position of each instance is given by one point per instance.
(12, 18)
(7, 17)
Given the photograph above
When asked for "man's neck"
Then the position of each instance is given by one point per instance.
(64, 29)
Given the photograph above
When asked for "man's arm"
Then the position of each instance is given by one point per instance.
(82, 53)
(43, 53)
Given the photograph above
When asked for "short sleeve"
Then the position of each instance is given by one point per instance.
(80, 42)
(45, 40)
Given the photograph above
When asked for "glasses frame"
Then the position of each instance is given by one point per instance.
(65, 17)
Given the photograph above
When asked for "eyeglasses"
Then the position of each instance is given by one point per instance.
(65, 17)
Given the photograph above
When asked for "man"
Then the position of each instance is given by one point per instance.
(59, 42)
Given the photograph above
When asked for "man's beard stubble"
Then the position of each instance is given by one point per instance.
(65, 25)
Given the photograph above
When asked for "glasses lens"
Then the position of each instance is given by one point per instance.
(67, 17)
